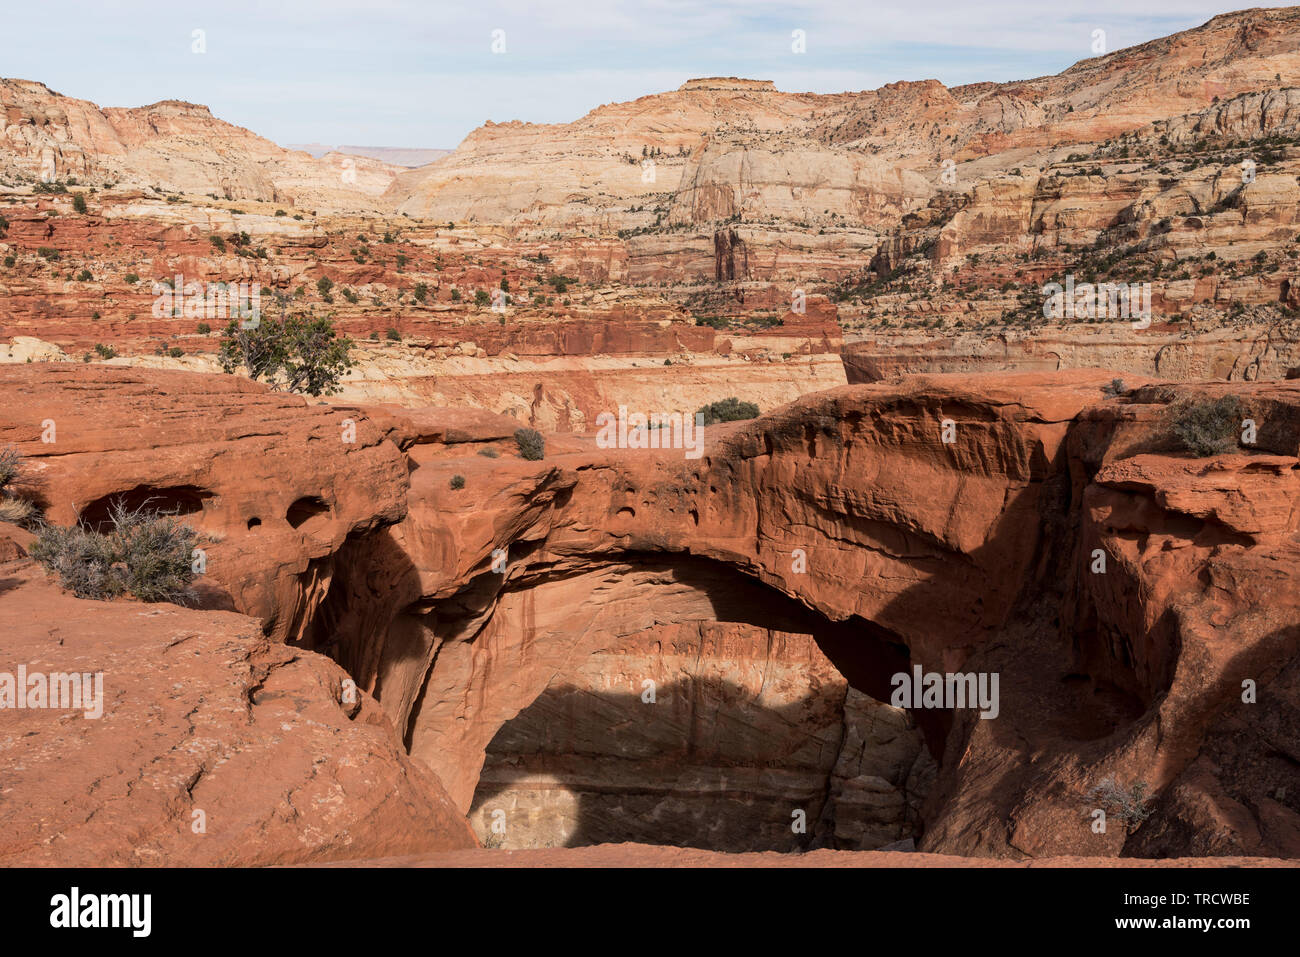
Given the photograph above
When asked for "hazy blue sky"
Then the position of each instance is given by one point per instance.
(423, 74)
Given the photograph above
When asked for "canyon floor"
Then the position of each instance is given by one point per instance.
(412, 642)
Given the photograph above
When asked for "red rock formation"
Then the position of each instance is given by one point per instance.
(959, 553)
(277, 484)
(215, 746)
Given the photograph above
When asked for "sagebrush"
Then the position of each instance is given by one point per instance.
(145, 553)
(14, 507)
(1207, 426)
(532, 444)
(1131, 804)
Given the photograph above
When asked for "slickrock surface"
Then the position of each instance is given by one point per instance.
(201, 713)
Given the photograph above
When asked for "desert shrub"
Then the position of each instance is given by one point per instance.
(145, 553)
(218, 243)
(84, 276)
(490, 453)
(323, 285)
(728, 410)
(9, 261)
(302, 353)
(421, 291)
(393, 335)
(176, 352)
(203, 328)
(281, 212)
(350, 296)
(1114, 388)
(1207, 426)
(481, 297)
(1131, 805)
(79, 202)
(455, 295)
(532, 445)
(105, 352)
(131, 278)
(48, 254)
(458, 481)
(13, 507)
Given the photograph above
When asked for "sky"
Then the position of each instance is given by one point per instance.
(404, 73)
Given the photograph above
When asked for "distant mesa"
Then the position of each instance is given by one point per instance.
(396, 155)
(727, 83)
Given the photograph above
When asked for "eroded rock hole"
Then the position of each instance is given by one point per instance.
(308, 513)
(177, 500)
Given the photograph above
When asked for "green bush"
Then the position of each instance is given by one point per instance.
(1207, 426)
(455, 295)
(105, 352)
(393, 335)
(204, 328)
(323, 285)
(9, 262)
(1116, 387)
(302, 353)
(481, 297)
(489, 452)
(48, 254)
(131, 278)
(79, 202)
(218, 243)
(458, 481)
(532, 445)
(176, 352)
(728, 410)
(421, 292)
(84, 276)
(146, 553)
